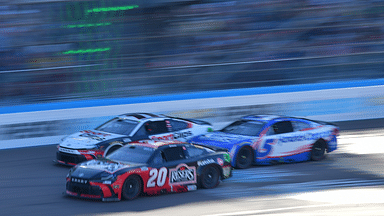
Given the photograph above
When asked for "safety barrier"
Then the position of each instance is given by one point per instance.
(43, 124)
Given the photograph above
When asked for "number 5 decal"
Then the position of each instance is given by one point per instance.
(160, 175)
(267, 148)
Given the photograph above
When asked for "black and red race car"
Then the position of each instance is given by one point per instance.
(149, 167)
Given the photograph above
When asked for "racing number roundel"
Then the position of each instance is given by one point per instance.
(157, 177)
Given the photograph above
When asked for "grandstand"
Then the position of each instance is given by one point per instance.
(71, 50)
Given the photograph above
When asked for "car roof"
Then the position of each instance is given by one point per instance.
(262, 117)
(140, 116)
(156, 143)
(268, 117)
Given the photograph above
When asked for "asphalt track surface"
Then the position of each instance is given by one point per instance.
(348, 182)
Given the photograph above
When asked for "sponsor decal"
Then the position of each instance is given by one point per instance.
(227, 171)
(166, 137)
(191, 187)
(309, 136)
(227, 157)
(205, 162)
(178, 135)
(70, 151)
(168, 125)
(182, 174)
(95, 137)
(94, 133)
(77, 180)
(103, 165)
(220, 161)
(127, 140)
(219, 137)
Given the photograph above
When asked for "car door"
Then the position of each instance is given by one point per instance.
(171, 170)
(302, 135)
(272, 147)
(157, 130)
(181, 130)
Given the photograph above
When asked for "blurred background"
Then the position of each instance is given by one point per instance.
(53, 50)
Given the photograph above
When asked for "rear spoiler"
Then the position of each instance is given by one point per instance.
(319, 122)
(196, 121)
(326, 123)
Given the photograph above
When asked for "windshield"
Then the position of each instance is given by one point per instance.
(244, 127)
(118, 126)
(132, 154)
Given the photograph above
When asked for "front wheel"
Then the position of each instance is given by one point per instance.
(210, 177)
(244, 157)
(318, 150)
(131, 187)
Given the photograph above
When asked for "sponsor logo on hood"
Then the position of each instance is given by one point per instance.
(110, 167)
(223, 137)
(87, 139)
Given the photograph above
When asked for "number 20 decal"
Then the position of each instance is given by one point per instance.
(157, 177)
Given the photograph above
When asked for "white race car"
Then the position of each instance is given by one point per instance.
(123, 129)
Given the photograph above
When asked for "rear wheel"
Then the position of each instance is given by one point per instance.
(318, 150)
(209, 177)
(244, 157)
(131, 187)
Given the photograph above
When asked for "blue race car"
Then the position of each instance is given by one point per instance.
(270, 139)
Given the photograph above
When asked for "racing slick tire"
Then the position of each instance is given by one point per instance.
(210, 177)
(244, 157)
(318, 150)
(131, 187)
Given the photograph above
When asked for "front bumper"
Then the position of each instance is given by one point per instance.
(89, 191)
(69, 159)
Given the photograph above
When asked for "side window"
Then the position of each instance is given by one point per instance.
(281, 127)
(174, 153)
(156, 127)
(178, 125)
(141, 133)
(158, 158)
(299, 125)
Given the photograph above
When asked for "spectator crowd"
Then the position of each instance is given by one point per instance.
(69, 50)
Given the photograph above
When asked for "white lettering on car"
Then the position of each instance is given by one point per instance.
(182, 174)
(160, 175)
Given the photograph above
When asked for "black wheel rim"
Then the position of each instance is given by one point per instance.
(131, 188)
(210, 177)
(244, 158)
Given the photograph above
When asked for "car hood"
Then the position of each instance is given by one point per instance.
(87, 139)
(94, 168)
(221, 139)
